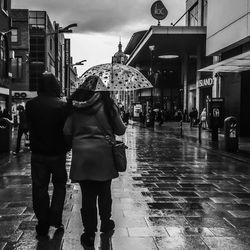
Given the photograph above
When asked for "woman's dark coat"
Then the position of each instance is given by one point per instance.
(92, 157)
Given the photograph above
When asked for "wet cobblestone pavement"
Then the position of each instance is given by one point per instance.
(173, 196)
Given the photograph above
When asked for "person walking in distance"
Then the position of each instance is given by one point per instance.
(46, 115)
(22, 127)
(92, 163)
(203, 118)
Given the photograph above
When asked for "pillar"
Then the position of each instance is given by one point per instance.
(198, 77)
(184, 71)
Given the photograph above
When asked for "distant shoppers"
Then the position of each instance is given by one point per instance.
(46, 115)
(191, 117)
(203, 118)
(195, 116)
(160, 117)
(126, 117)
(6, 114)
(150, 118)
(92, 163)
(22, 128)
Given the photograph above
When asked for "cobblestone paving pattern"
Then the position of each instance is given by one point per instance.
(173, 196)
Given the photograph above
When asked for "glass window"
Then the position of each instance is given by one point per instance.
(37, 19)
(193, 16)
(14, 37)
(204, 17)
(4, 4)
(17, 67)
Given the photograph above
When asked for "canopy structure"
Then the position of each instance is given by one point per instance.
(167, 40)
(234, 64)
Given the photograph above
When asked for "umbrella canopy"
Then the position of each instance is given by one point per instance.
(116, 77)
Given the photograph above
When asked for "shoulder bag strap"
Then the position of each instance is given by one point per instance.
(104, 131)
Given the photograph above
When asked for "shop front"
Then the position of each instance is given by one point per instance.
(164, 54)
(228, 42)
(205, 86)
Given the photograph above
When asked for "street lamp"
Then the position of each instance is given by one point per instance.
(66, 29)
(69, 66)
(151, 49)
(79, 63)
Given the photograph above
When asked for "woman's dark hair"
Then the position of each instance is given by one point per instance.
(81, 95)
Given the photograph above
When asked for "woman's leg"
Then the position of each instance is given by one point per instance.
(105, 205)
(89, 209)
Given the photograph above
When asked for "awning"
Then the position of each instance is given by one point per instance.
(177, 40)
(234, 64)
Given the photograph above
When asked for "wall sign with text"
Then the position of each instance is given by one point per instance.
(158, 10)
(206, 82)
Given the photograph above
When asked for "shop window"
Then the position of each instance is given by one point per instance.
(193, 16)
(14, 37)
(3, 57)
(17, 67)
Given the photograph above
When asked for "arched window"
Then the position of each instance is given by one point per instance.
(3, 57)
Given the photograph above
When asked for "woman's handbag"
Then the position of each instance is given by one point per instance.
(119, 153)
(118, 150)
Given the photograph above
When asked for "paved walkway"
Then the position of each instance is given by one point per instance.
(192, 134)
(175, 195)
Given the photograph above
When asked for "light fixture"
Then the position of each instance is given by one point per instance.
(151, 47)
(168, 56)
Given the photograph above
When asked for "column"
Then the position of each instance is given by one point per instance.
(184, 71)
(198, 77)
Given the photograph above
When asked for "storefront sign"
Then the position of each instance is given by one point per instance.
(137, 110)
(206, 82)
(24, 94)
(4, 91)
(158, 10)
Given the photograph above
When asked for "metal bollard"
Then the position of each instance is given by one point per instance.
(199, 132)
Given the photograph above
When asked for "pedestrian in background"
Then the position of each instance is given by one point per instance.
(46, 115)
(203, 118)
(6, 114)
(22, 127)
(92, 158)
(191, 117)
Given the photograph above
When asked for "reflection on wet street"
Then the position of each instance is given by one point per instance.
(173, 196)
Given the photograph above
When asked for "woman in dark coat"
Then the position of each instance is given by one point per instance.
(92, 160)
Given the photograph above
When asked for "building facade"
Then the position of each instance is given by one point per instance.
(5, 47)
(169, 57)
(39, 46)
(228, 41)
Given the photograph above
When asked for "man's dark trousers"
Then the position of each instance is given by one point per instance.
(42, 168)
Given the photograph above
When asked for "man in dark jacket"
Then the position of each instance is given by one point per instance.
(46, 115)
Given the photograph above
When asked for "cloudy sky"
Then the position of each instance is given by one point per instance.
(101, 23)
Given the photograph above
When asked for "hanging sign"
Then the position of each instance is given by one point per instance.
(158, 10)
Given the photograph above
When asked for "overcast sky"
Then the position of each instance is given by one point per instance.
(101, 23)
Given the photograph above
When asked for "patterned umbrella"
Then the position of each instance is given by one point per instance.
(116, 77)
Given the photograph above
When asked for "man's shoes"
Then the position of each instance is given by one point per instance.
(42, 230)
(107, 226)
(88, 240)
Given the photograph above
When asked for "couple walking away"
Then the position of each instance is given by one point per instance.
(56, 127)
